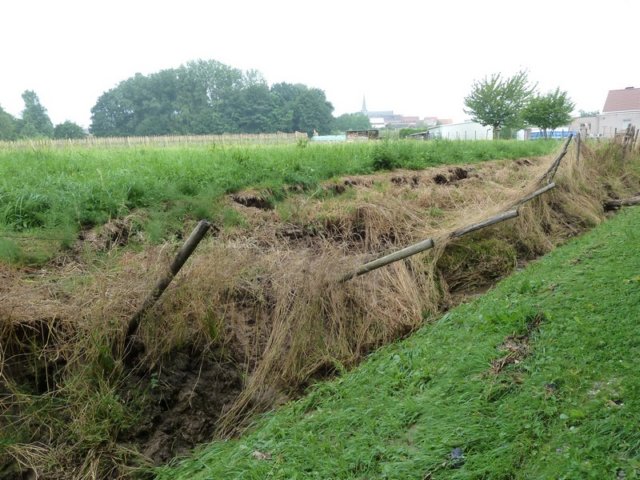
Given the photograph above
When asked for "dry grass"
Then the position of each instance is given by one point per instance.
(266, 293)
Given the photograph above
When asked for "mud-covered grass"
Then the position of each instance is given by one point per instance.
(49, 195)
(257, 315)
(536, 379)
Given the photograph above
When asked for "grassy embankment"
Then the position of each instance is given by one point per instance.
(245, 327)
(48, 195)
(536, 379)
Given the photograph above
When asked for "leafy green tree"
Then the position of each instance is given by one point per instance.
(203, 89)
(549, 111)
(312, 112)
(207, 97)
(498, 101)
(351, 121)
(35, 120)
(251, 110)
(9, 126)
(68, 130)
(284, 97)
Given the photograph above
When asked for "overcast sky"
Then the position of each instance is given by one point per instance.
(413, 57)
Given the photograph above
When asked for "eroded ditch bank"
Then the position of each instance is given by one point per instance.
(258, 314)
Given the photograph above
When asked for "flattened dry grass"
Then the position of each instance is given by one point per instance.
(537, 379)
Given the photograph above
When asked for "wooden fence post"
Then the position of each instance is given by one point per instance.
(181, 257)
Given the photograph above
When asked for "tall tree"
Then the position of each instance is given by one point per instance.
(499, 102)
(250, 110)
(312, 112)
(549, 111)
(8, 126)
(284, 97)
(587, 113)
(35, 120)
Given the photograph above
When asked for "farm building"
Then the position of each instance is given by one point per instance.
(621, 108)
(371, 134)
(462, 131)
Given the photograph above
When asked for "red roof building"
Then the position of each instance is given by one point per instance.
(622, 100)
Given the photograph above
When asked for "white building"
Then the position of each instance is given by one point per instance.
(621, 108)
(462, 131)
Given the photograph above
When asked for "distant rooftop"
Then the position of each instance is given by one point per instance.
(622, 100)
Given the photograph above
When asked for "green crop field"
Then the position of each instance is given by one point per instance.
(536, 379)
(50, 194)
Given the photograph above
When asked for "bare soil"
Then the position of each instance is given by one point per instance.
(183, 401)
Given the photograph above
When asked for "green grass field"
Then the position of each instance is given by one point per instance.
(536, 379)
(49, 194)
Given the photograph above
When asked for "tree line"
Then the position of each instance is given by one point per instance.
(512, 103)
(35, 122)
(208, 97)
(201, 97)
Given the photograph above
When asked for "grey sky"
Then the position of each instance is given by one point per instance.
(413, 57)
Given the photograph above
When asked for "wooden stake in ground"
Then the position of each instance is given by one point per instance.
(533, 195)
(391, 258)
(501, 217)
(181, 257)
(550, 173)
(426, 245)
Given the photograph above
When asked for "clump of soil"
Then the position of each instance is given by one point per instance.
(454, 175)
(253, 199)
(115, 233)
(413, 180)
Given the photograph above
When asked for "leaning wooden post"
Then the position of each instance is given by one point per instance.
(533, 195)
(501, 217)
(550, 173)
(426, 245)
(181, 257)
(392, 257)
(578, 143)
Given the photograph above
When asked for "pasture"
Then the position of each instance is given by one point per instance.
(48, 195)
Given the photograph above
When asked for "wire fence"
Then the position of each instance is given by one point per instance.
(160, 141)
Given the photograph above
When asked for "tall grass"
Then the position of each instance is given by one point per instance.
(537, 379)
(53, 193)
(264, 301)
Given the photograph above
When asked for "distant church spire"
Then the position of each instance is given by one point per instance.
(364, 105)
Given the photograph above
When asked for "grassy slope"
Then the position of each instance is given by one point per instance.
(570, 409)
(49, 194)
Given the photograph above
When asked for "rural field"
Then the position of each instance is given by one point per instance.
(261, 314)
(53, 193)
